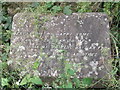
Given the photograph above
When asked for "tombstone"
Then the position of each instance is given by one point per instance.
(80, 42)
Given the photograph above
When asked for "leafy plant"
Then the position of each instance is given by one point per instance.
(4, 82)
(84, 7)
(49, 4)
(28, 79)
(34, 5)
(56, 9)
(86, 82)
(67, 10)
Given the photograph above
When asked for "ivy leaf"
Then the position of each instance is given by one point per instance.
(36, 80)
(1, 18)
(25, 80)
(87, 81)
(77, 82)
(4, 82)
(67, 10)
(67, 67)
(8, 23)
(36, 65)
(70, 72)
(4, 65)
(4, 56)
(35, 4)
(56, 9)
(68, 85)
(49, 4)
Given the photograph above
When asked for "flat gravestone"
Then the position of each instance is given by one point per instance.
(55, 43)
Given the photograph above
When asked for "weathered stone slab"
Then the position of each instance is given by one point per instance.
(78, 41)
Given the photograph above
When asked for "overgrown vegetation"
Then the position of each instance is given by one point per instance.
(11, 79)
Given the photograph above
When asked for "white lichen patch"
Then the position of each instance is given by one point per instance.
(81, 51)
(9, 62)
(76, 37)
(94, 45)
(96, 16)
(20, 48)
(79, 43)
(90, 54)
(101, 67)
(86, 48)
(89, 74)
(96, 73)
(106, 19)
(86, 66)
(108, 26)
(89, 40)
(85, 58)
(80, 22)
(55, 73)
(94, 65)
(66, 16)
(61, 22)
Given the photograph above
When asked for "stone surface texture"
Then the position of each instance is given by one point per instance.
(78, 41)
